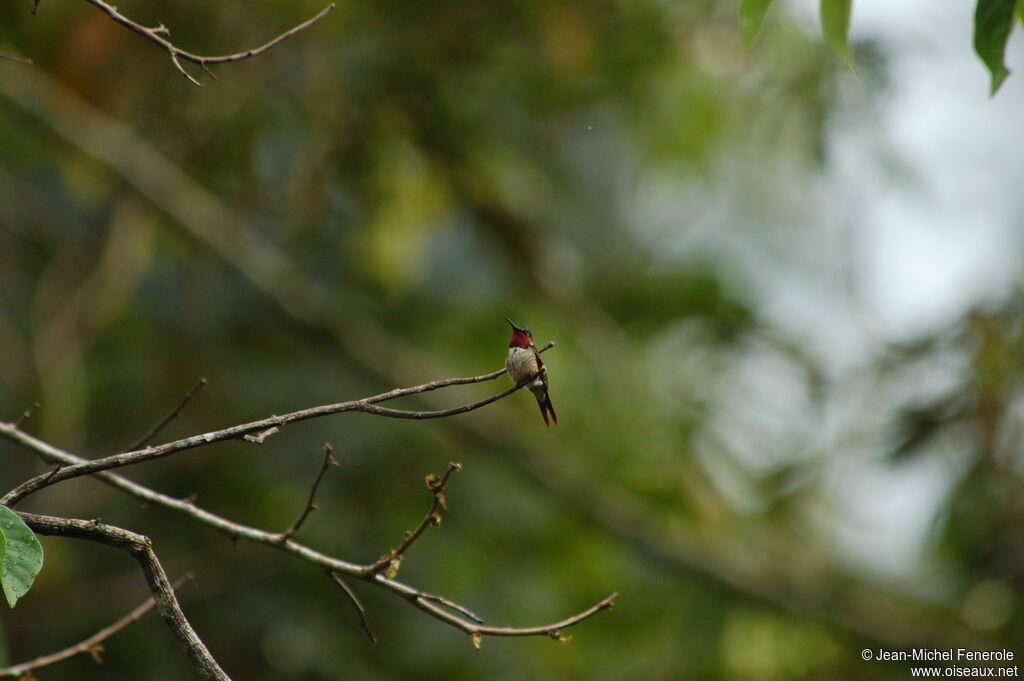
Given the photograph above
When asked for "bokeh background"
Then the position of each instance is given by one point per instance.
(787, 306)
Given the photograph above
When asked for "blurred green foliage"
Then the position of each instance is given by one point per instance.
(993, 24)
(381, 190)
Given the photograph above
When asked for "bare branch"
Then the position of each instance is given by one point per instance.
(355, 601)
(389, 562)
(425, 601)
(158, 34)
(140, 548)
(92, 645)
(311, 503)
(20, 60)
(367, 405)
(144, 440)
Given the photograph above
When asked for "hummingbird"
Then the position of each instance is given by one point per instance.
(522, 362)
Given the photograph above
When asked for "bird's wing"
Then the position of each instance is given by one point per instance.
(540, 365)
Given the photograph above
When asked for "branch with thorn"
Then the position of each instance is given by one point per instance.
(152, 432)
(358, 604)
(378, 573)
(26, 415)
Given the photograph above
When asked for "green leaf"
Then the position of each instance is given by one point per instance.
(751, 20)
(21, 556)
(993, 20)
(835, 26)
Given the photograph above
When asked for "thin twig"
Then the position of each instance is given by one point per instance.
(20, 60)
(355, 601)
(237, 531)
(157, 34)
(141, 549)
(311, 503)
(144, 440)
(553, 630)
(91, 645)
(368, 405)
(26, 415)
(389, 562)
(453, 605)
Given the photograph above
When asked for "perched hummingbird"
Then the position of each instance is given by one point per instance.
(522, 362)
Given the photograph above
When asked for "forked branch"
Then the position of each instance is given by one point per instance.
(378, 573)
(152, 432)
(389, 562)
(159, 35)
(140, 548)
(437, 606)
(92, 646)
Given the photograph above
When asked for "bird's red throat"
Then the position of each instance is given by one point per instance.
(519, 340)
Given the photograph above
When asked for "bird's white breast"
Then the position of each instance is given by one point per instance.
(520, 363)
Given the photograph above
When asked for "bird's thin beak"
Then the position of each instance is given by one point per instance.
(511, 323)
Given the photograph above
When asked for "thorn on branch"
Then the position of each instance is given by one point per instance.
(461, 609)
(258, 438)
(177, 65)
(152, 432)
(54, 471)
(27, 414)
(355, 601)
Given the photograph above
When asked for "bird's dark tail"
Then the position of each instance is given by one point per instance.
(544, 402)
